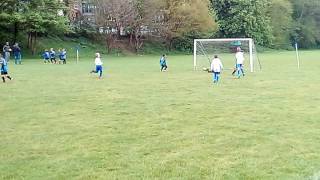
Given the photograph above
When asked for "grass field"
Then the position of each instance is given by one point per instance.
(60, 122)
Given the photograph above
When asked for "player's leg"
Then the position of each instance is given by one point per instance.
(242, 71)
(3, 74)
(93, 71)
(15, 58)
(20, 58)
(238, 70)
(9, 77)
(214, 77)
(218, 76)
(96, 70)
(234, 70)
(100, 75)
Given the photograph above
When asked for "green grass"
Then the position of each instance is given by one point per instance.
(60, 122)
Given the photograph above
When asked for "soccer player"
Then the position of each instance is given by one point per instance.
(240, 61)
(63, 56)
(59, 55)
(53, 56)
(46, 56)
(6, 51)
(98, 64)
(17, 53)
(163, 63)
(216, 68)
(4, 69)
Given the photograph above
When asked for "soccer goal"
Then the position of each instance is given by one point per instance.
(205, 49)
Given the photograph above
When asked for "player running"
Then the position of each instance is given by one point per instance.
(63, 56)
(4, 69)
(98, 64)
(163, 63)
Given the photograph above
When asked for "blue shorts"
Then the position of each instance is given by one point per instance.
(98, 68)
(239, 66)
(4, 70)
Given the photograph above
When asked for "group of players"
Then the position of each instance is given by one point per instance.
(216, 66)
(50, 56)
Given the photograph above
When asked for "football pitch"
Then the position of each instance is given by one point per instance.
(61, 122)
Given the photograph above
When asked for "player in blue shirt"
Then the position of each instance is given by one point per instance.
(46, 56)
(60, 56)
(163, 63)
(63, 56)
(53, 56)
(17, 53)
(4, 69)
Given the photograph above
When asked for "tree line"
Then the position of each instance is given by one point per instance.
(271, 23)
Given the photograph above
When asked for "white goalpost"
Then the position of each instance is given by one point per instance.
(205, 49)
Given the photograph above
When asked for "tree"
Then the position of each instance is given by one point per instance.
(127, 17)
(185, 19)
(33, 17)
(281, 12)
(244, 18)
(111, 15)
(41, 16)
(307, 21)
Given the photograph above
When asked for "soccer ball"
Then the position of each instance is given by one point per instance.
(10, 50)
(205, 69)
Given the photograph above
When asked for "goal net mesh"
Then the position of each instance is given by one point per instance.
(225, 49)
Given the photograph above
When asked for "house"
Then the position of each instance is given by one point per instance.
(82, 12)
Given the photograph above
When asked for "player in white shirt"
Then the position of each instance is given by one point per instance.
(239, 61)
(216, 68)
(98, 64)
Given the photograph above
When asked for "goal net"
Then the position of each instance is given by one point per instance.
(205, 49)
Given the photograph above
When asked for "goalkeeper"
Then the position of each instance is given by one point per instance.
(239, 61)
(216, 68)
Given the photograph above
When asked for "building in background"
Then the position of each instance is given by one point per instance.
(81, 13)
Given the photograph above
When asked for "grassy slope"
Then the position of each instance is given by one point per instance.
(87, 47)
(58, 122)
